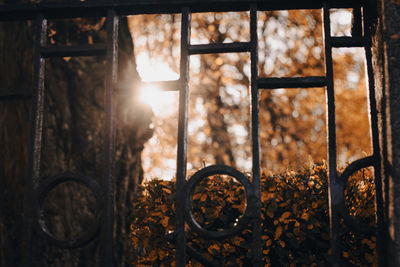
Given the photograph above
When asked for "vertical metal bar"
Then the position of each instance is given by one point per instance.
(182, 140)
(356, 24)
(108, 181)
(381, 233)
(334, 186)
(255, 137)
(35, 142)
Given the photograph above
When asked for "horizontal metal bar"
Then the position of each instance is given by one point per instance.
(348, 41)
(15, 94)
(219, 48)
(73, 50)
(296, 82)
(174, 85)
(95, 8)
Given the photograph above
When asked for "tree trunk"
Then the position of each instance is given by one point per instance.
(73, 133)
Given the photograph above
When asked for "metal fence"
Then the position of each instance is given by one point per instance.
(185, 185)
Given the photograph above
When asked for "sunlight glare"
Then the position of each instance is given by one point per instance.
(151, 70)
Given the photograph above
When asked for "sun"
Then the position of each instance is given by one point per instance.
(151, 70)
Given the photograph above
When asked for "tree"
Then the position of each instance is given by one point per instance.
(292, 121)
(72, 137)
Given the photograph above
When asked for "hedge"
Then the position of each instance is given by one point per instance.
(294, 213)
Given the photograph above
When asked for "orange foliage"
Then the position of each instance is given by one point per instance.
(294, 213)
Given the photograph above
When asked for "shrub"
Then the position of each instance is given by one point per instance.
(294, 213)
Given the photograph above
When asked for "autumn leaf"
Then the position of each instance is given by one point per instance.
(278, 232)
(285, 215)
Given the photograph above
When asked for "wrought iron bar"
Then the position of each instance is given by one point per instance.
(255, 137)
(344, 212)
(220, 48)
(112, 9)
(35, 142)
(296, 82)
(73, 51)
(335, 188)
(127, 7)
(347, 41)
(109, 142)
(182, 140)
(357, 22)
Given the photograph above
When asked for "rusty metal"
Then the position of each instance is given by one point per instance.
(37, 191)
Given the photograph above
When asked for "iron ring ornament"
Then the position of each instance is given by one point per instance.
(196, 178)
(43, 191)
(343, 178)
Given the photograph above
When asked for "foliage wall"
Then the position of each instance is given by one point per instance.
(294, 212)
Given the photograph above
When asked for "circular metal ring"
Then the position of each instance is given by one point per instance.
(42, 192)
(195, 180)
(344, 212)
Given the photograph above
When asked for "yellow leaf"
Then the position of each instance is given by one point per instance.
(285, 215)
(314, 205)
(269, 242)
(310, 226)
(164, 208)
(282, 244)
(166, 190)
(372, 245)
(164, 221)
(203, 197)
(369, 257)
(219, 61)
(161, 254)
(278, 232)
(265, 251)
(305, 216)
(237, 240)
(212, 248)
(345, 254)
(196, 196)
